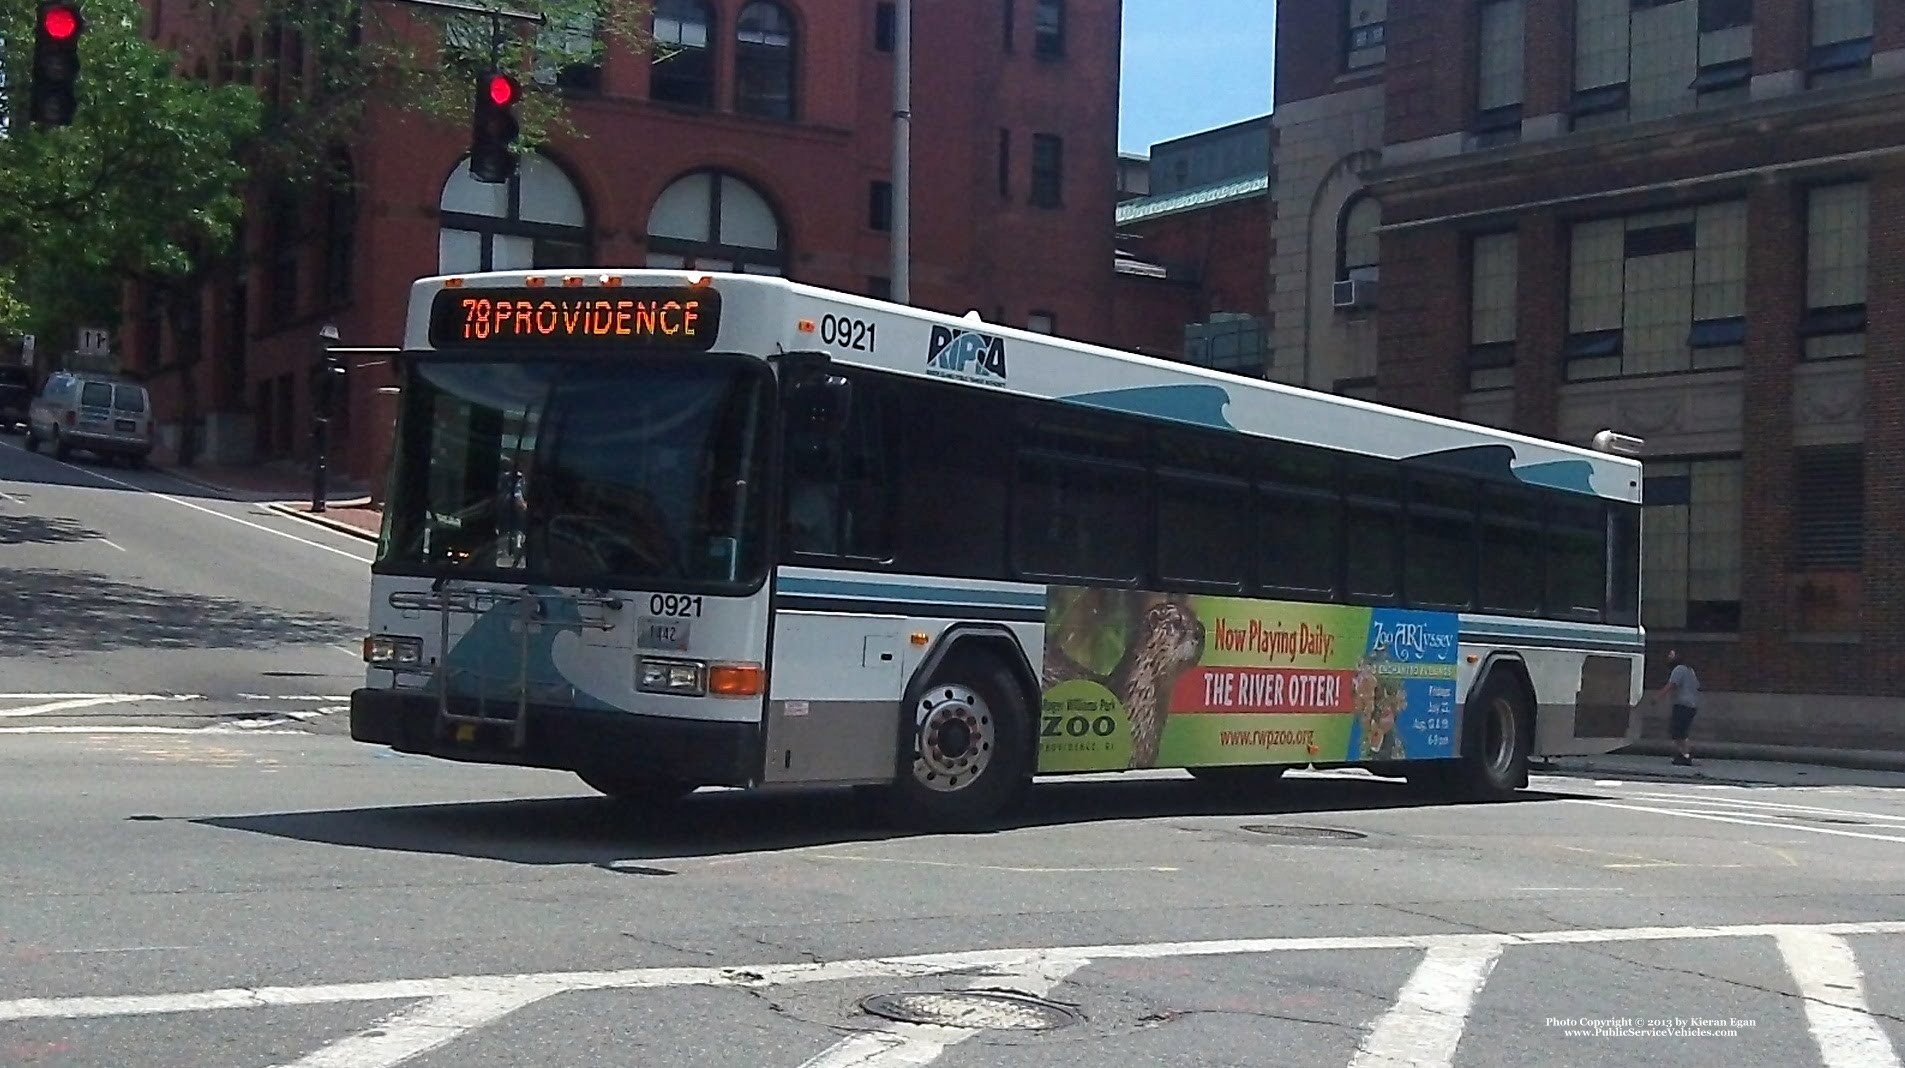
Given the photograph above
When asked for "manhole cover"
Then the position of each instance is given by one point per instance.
(1327, 834)
(977, 1010)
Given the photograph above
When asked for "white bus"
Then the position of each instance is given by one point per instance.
(669, 530)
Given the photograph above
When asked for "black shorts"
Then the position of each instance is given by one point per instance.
(1682, 721)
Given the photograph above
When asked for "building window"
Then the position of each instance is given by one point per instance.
(1358, 248)
(1041, 322)
(1659, 293)
(285, 287)
(880, 206)
(1492, 309)
(1048, 170)
(1600, 61)
(566, 54)
(340, 231)
(879, 287)
(682, 71)
(1499, 72)
(534, 220)
(1048, 29)
(1829, 538)
(886, 27)
(1690, 547)
(1725, 14)
(1363, 40)
(1005, 164)
(1841, 42)
(764, 61)
(1008, 12)
(709, 221)
(1837, 258)
(1229, 342)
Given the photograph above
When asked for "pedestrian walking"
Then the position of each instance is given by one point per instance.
(1683, 692)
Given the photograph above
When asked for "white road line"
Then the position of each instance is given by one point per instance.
(1422, 1028)
(421, 1028)
(1775, 808)
(1834, 988)
(1835, 831)
(11, 497)
(71, 704)
(217, 728)
(769, 975)
(904, 1045)
(108, 479)
(982, 867)
(112, 543)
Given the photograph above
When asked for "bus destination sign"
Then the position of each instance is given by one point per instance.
(677, 317)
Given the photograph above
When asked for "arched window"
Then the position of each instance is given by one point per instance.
(682, 71)
(715, 222)
(1358, 248)
(536, 219)
(764, 61)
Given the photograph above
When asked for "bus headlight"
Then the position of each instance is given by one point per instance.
(683, 677)
(393, 650)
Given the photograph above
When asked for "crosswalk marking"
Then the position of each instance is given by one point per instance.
(1837, 832)
(1421, 1029)
(1426, 1022)
(1834, 988)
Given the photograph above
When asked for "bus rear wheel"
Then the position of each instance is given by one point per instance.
(1497, 737)
(966, 751)
(634, 787)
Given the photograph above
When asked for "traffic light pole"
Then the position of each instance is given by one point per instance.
(328, 371)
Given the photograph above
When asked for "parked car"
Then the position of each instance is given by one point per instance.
(16, 393)
(102, 414)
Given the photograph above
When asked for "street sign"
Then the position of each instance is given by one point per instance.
(94, 341)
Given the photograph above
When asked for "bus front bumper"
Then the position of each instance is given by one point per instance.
(564, 739)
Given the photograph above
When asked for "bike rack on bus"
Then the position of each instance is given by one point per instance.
(531, 616)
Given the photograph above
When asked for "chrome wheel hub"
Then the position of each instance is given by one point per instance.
(955, 739)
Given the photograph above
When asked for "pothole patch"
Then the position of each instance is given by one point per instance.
(1314, 834)
(973, 1010)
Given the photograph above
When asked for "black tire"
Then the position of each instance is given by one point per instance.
(1241, 782)
(966, 748)
(32, 440)
(1497, 737)
(634, 787)
(61, 450)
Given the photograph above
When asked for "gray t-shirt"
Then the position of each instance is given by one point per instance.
(1686, 686)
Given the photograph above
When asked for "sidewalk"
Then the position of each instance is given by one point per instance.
(287, 489)
(1774, 766)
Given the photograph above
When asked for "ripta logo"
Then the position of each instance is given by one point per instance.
(966, 354)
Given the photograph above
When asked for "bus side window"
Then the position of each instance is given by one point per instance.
(840, 484)
(953, 476)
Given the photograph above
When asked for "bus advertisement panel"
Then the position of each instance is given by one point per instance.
(1135, 679)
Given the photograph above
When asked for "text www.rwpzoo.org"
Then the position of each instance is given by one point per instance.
(1266, 739)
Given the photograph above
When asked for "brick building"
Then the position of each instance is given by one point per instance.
(1683, 220)
(1190, 280)
(764, 145)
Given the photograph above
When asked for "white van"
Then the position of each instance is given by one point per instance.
(103, 415)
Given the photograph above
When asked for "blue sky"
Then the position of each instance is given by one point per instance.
(1191, 65)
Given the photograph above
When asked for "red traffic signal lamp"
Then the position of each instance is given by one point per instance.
(57, 27)
(493, 129)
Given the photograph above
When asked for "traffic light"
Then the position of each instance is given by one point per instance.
(56, 32)
(494, 128)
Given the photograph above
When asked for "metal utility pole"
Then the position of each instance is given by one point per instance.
(325, 383)
(903, 152)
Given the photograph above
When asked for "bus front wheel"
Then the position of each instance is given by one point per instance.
(967, 750)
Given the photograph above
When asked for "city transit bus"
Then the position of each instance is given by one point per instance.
(668, 530)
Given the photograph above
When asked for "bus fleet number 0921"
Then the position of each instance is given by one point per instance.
(847, 332)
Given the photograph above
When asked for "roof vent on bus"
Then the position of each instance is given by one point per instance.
(1618, 444)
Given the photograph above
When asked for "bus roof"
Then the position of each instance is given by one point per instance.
(783, 315)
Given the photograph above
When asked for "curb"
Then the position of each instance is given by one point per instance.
(1856, 759)
(329, 524)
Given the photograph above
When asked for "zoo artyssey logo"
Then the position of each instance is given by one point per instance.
(966, 354)
(1413, 641)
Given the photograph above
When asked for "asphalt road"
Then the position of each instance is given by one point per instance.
(180, 890)
(132, 597)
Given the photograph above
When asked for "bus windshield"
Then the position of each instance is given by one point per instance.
(634, 474)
